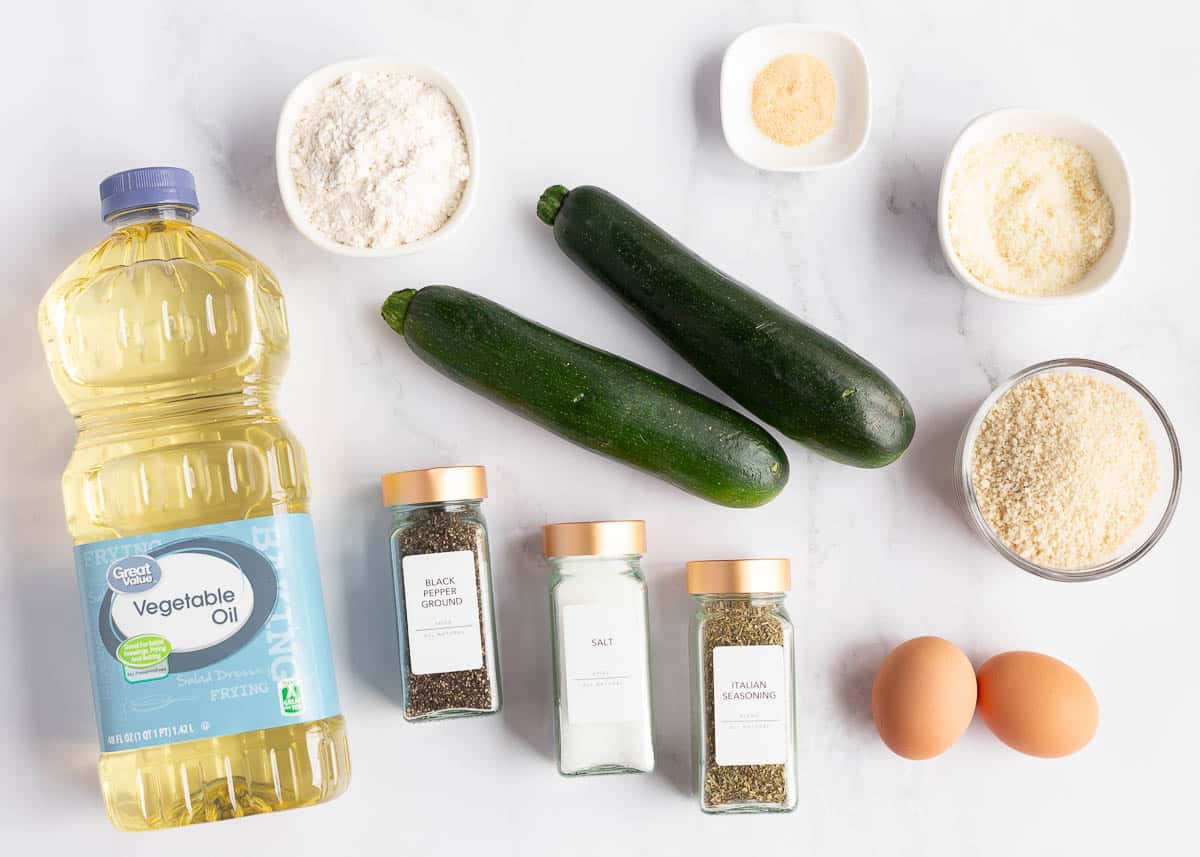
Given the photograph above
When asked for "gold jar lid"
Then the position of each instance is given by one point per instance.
(739, 576)
(434, 485)
(594, 538)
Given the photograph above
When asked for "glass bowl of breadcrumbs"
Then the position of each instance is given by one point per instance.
(1071, 469)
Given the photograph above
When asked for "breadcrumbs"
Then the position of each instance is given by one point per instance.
(1064, 469)
(1028, 214)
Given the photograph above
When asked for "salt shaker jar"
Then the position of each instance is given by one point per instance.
(744, 685)
(443, 583)
(601, 647)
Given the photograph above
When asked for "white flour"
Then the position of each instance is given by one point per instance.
(379, 160)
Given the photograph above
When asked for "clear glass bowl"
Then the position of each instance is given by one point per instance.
(1162, 505)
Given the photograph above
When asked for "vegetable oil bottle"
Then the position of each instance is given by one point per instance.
(187, 498)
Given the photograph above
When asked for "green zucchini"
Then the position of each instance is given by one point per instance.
(596, 399)
(784, 371)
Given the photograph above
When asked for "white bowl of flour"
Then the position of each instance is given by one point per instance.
(376, 157)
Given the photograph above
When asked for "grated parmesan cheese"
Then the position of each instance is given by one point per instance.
(1028, 215)
(1064, 469)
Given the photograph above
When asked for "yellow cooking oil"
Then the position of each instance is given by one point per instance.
(187, 498)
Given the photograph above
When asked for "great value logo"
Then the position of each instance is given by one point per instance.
(135, 573)
(191, 603)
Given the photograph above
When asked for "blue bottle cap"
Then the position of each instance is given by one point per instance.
(145, 187)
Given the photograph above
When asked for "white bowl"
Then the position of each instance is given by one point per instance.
(1110, 165)
(303, 95)
(754, 49)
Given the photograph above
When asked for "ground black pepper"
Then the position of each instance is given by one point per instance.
(444, 529)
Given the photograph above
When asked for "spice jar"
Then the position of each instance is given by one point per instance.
(745, 708)
(443, 582)
(601, 647)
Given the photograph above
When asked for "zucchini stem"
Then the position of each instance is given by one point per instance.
(550, 202)
(395, 309)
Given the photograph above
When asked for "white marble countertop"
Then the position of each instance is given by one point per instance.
(624, 95)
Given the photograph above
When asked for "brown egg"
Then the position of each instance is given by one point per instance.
(1037, 704)
(924, 697)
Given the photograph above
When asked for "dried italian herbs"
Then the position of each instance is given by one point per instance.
(737, 622)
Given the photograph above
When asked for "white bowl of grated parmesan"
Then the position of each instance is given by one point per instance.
(1070, 469)
(1034, 206)
(376, 157)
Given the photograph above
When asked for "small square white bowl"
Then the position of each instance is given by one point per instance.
(753, 50)
(303, 95)
(1110, 166)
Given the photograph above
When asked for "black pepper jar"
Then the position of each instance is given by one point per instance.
(443, 582)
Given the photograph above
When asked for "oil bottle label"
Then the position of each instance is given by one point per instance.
(206, 631)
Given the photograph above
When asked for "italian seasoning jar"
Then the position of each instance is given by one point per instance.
(443, 583)
(744, 680)
(601, 647)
